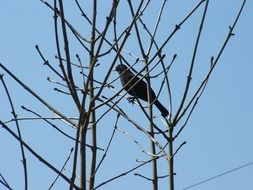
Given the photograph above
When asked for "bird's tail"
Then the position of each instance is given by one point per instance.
(162, 109)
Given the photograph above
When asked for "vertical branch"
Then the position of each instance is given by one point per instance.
(19, 132)
(92, 103)
(102, 39)
(188, 82)
(171, 159)
(152, 41)
(150, 110)
(84, 116)
(83, 155)
(151, 128)
(81, 125)
(69, 79)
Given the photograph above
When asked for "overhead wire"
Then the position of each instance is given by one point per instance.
(219, 175)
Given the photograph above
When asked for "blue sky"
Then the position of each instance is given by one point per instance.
(218, 135)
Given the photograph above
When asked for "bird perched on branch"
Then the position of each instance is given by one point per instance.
(138, 88)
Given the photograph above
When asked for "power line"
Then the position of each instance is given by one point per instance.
(219, 175)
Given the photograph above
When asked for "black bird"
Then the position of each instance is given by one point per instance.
(138, 88)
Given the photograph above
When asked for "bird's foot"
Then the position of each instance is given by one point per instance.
(131, 99)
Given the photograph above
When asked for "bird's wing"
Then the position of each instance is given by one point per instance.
(134, 80)
(136, 87)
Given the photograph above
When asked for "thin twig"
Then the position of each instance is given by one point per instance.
(177, 27)
(19, 132)
(50, 123)
(46, 62)
(108, 145)
(4, 182)
(37, 96)
(125, 173)
(63, 167)
(181, 145)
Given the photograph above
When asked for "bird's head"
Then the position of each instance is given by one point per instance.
(121, 68)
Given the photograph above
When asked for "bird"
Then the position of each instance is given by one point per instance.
(138, 87)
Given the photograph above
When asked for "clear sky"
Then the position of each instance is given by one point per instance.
(218, 135)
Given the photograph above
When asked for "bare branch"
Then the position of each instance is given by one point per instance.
(37, 155)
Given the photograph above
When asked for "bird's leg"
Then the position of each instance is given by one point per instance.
(131, 99)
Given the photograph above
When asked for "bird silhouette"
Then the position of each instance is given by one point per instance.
(138, 88)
